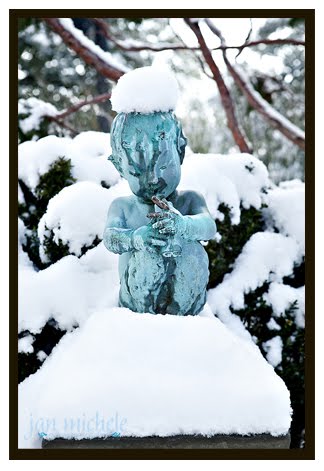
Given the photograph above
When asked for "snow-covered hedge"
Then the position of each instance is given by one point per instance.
(66, 275)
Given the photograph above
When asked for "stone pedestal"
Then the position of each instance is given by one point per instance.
(136, 378)
(262, 441)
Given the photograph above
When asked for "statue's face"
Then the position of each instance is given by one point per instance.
(147, 147)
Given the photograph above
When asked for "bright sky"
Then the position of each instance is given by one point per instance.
(235, 31)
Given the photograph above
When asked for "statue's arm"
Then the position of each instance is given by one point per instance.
(117, 237)
(199, 223)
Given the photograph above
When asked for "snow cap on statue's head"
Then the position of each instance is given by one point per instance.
(146, 90)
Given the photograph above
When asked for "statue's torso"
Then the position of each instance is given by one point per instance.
(153, 283)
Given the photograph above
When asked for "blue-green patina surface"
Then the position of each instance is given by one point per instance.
(163, 267)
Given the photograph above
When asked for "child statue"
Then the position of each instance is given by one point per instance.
(157, 231)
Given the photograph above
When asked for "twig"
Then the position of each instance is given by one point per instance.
(61, 123)
(87, 101)
(274, 118)
(269, 42)
(196, 56)
(90, 57)
(183, 47)
(223, 90)
(59, 118)
(246, 39)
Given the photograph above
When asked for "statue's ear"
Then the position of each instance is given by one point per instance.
(182, 142)
(117, 163)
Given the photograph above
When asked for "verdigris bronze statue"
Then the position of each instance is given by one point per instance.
(157, 231)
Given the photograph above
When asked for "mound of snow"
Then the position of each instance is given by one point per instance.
(77, 214)
(25, 344)
(88, 152)
(36, 109)
(23, 259)
(36, 157)
(232, 179)
(280, 297)
(265, 257)
(145, 90)
(286, 210)
(144, 374)
(273, 347)
(68, 290)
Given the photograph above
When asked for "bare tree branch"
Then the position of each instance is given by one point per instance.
(223, 90)
(89, 56)
(136, 48)
(196, 56)
(87, 101)
(59, 118)
(269, 42)
(62, 124)
(246, 39)
(183, 47)
(274, 118)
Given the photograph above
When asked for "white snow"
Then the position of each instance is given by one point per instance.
(36, 157)
(68, 290)
(21, 199)
(280, 297)
(106, 56)
(36, 109)
(77, 214)
(270, 111)
(273, 348)
(88, 153)
(286, 209)
(25, 344)
(290, 184)
(144, 374)
(41, 355)
(273, 325)
(265, 257)
(23, 259)
(183, 374)
(225, 179)
(145, 90)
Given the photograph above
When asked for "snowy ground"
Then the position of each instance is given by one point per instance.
(142, 374)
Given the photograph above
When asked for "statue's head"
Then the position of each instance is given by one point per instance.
(148, 150)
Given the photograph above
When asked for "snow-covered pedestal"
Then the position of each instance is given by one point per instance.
(124, 374)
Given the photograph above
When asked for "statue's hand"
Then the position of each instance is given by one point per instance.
(146, 236)
(172, 223)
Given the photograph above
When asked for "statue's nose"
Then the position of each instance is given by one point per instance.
(153, 177)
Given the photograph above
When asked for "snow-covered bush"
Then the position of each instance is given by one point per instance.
(256, 285)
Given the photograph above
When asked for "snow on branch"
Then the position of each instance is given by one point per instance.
(37, 110)
(226, 98)
(88, 101)
(274, 118)
(267, 42)
(91, 53)
(134, 47)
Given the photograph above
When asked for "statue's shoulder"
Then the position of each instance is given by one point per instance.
(190, 195)
(122, 202)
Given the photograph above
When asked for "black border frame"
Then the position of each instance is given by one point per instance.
(307, 453)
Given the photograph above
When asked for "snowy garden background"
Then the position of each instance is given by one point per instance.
(242, 110)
